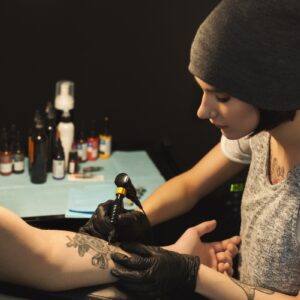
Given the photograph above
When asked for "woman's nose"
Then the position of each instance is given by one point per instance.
(205, 108)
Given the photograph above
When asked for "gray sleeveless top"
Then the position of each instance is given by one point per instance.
(270, 252)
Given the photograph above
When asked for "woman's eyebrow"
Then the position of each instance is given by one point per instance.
(214, 90)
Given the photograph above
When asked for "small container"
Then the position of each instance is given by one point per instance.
(105, 140)
(93, 143)
(18, 155)
(73, 161)
(5, 154)
(82, 147)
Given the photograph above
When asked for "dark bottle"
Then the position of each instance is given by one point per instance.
(39, 164)
(37, 117)
(51, 133)
(17, 154)
(5, 154)
(58, 162)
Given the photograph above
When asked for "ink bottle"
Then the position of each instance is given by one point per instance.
(105, 140)
(39, 164)
(17, 155)
(82, 147)
(58, 162)
(73, 161)
(93, 142)
(5, 155)
(51, 133)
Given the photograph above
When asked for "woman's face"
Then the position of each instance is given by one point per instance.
(232, 116)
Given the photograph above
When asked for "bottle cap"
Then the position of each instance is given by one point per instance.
(37, 116)
(50, 111)
(39, 122)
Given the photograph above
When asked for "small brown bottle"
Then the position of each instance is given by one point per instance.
(17, 155)
(6, 162)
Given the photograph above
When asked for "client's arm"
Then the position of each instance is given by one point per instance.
(51, 259)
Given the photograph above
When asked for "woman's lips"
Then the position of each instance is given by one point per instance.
(220, 126)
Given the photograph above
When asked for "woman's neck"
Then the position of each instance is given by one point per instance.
(287, 135)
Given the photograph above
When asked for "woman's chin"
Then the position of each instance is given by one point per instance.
(233, 135)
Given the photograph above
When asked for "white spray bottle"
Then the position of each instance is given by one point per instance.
(64, 101)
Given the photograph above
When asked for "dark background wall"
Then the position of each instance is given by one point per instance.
(128, 60)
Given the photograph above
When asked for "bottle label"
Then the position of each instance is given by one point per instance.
(105, 146)
(19, 166)
(5, 168)
(58, 169)
(82, 151)
(92, 149)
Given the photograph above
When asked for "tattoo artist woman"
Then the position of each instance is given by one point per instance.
(246, 59)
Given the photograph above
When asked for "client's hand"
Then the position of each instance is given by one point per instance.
(216, 255)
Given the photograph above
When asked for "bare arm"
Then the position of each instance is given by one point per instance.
(152, 270)
(217, 286)
(50, 259)
(182, 192)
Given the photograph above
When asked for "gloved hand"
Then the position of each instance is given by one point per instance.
(155, 272)
(131, 226)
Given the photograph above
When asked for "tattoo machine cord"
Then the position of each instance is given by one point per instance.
(124, 189)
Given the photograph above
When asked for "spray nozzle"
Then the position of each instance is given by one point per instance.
(64, 98)
(66, 114)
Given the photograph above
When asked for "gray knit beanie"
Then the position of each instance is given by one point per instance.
(251, 50)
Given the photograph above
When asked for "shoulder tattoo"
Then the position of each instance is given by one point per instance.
(277, 172)
(96, 247)
(250, 290)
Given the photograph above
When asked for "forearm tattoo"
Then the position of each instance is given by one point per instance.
(250, 290)
(97, 248)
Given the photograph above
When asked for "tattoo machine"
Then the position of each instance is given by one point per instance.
(124, 189)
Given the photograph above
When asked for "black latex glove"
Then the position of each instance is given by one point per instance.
(155, 273)
(131, 225)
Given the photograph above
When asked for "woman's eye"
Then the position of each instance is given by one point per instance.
(222, 98)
